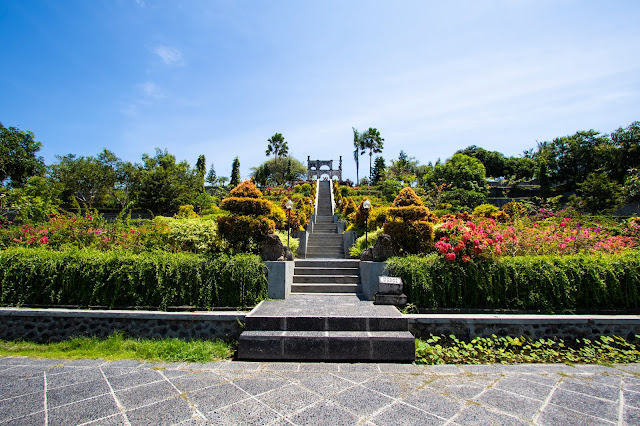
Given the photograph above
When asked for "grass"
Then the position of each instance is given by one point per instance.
(118, 346)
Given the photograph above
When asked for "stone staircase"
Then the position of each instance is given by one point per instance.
(326, 276)
(325, 242)
(336, 328)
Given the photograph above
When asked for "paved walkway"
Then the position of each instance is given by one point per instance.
(128, 392)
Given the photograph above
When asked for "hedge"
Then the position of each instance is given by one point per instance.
(89, 277)
(534, 282)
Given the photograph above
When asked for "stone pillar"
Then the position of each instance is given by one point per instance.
(370, 273)
(280, 278)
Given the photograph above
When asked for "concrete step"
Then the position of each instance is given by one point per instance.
(388, 346)
(324, 288)
(326, 237)
(326, 323)
(325, 271)
(324, 219)
(325, 254)
(326, 279)
(329, 263)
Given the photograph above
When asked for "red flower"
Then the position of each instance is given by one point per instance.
(450, 256)
(44, 240)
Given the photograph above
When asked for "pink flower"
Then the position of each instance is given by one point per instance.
(466, 258)
(450, 256)
(44, 240)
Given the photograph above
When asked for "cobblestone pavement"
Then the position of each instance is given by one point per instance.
(34, 391)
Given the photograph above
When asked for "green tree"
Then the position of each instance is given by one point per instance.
(201, 170)
(278, 147)
(464, 178)
(403, 169)
(235, 173)
(212, 178)
(37, 199)
(265, 173)
(627, 151)
(165, 185)
(18, 159)
(372, 141)
(357, 145)
(598, 194)
(379, 171)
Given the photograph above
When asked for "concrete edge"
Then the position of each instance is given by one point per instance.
(155, 315)
(523, 319)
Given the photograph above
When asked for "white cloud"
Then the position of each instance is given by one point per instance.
(170, 55)
(151, 90)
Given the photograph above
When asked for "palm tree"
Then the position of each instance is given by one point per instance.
(372, 141)
(357, 144)
(278, 147)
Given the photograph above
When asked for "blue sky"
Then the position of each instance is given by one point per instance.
(220, 77)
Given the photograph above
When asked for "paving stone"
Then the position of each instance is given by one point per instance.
(356, 378)
(20, 372)
(279, 366)
(134, 378)
(78, 392)
(553, 415)
(586, 404)
(631, 368)
(167, 412)
(474, 414)
(585, 387)
(289, 399)
(632, 384)
(146, 394)
(197, 380)
(510, 403)
(395, 385)
(434, 403)
(110, 371)
(114, 420)
(72, 376)
(402, 414)
(484, 369)
(464, 387)
(239, 366)
(21, 406)
(521, 386)
(85, 363)
(22, 387)
(361, 401)
(439, 369)
(124, 363)
(323, 413)
(399, 368)
(260, 384)
(320, 366)
(212, 398)
(632, 399)
(171, 374)
(249, 412)
(83, 411)
(203, 365)
(631, 416)
(325, 384)
(359, 368)
(35, 419)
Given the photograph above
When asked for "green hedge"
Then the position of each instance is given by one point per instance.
(120, 278)
(533, 282)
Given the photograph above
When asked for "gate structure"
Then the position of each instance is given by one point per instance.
(318, 168)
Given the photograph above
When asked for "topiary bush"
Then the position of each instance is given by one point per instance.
(485, 210)
(409, 230)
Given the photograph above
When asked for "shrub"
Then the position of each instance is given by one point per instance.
(192, 235)
(348, 206)
(540, 283)
(409, 213)
(279, 217)
(514, 209)
(245, 233)
(411, 237)
(407, 197)
(294, 243)
(186, 212)
(246, 189)
(121, 278)
(485, 210)
(247, 206)
(363, 243)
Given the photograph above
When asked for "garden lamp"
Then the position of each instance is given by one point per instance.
(367, 206)
(289, 206)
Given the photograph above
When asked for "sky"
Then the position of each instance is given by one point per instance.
(219, 78)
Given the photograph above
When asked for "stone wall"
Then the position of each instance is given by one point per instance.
(50, 325)
(566, 327)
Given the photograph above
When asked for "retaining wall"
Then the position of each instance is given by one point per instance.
(50, 325)
(44, 325)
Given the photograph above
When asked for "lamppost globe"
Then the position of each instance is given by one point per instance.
(367, 205)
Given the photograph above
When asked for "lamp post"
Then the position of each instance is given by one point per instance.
(289, 206)
(367, 206)
(340, 204)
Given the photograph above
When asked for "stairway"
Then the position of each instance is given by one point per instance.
(334, 327)
(325, 242)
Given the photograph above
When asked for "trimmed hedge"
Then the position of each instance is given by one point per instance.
(532, 282)
(120, 278)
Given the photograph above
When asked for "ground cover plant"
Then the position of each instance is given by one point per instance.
(516, 350)
(118, 346)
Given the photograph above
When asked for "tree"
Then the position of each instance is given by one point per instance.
(379, 171)
(211, 176)
(278, 147)
(265, 173)
(357, 144)
(235, 173)
(466, 180)
(372, 141)
(403, 169)
(18, 159)
(598, 194)
(201, 169)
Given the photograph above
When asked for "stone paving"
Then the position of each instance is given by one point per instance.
(34, 391)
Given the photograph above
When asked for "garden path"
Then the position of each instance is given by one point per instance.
(50, 391)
